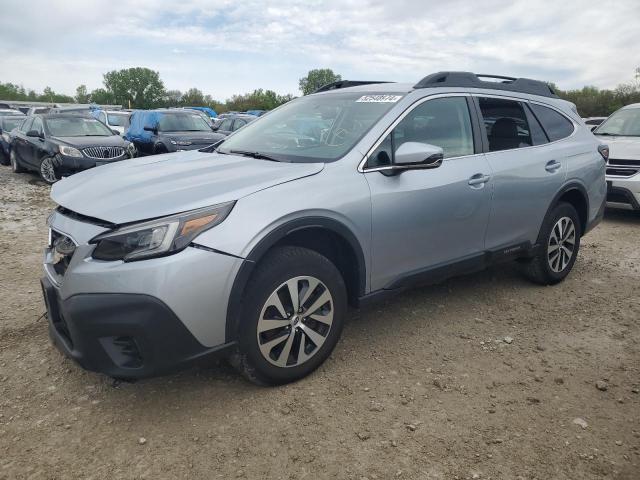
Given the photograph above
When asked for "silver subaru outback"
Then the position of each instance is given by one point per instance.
(254, 247)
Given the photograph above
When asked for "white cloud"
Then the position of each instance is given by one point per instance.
(229, 45)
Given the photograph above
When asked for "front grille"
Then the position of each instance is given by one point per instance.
(104, 153)
(622, 168)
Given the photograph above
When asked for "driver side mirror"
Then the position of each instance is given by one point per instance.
(414, 155)
(150, 128)
(34, 133)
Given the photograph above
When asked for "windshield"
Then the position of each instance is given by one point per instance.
(316, 128)
(9, 124)
(624, 122)
(182, 122)
(117, 119)
(77, 127)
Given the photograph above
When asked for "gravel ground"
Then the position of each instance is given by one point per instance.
(485, 376)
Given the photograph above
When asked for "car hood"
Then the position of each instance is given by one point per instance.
(622, 148)
(150, 187)
(196, 138)
(84, 142)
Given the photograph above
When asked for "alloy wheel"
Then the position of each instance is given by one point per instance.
(14, 161)
(295, 321)
(48, 171)
(562, 244)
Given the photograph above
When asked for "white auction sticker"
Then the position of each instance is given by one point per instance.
(379, 98)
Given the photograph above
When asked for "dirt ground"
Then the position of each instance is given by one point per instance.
(486, 376)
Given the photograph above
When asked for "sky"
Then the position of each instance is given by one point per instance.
(227, 47)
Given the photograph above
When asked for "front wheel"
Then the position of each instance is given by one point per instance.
(48, 171)
(294, 309)
(558, 245)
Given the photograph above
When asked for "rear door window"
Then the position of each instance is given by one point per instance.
(506, 124)
(556, 125)
(538, 137)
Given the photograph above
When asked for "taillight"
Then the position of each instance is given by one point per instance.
(604, 151)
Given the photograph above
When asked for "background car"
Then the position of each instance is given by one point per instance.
(593, 122)
(37, 110)
(621, 133)
(7, 124)
(234, 122)
(209, 111)
(56, 145)
(117, 120)
(169, 130)
(9, 111)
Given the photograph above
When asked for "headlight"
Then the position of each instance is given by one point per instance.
(180, 142)
(6, 137)
(69, 151)
(160, 237)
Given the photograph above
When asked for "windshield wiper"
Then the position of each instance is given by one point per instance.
(608, 134)
(258, 155)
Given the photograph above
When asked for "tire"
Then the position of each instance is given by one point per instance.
(4, 160)
(47, 170)
(15, 163)
(160, 149)
(262, 345)
(555, 256)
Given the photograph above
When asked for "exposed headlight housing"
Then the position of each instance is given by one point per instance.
(180, 142)
(160, 237)
(131, 150)
(69, 151)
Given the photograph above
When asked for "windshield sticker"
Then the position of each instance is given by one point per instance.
(379, 98)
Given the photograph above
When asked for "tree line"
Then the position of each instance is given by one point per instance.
(143, 88)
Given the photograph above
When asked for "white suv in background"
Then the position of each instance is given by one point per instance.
(621, 131)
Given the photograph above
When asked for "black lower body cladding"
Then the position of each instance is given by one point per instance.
(126, 336)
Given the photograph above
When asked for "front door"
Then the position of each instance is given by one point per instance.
(426, 219)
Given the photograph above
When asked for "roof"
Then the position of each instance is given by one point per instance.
(458, 80)
(632, 105)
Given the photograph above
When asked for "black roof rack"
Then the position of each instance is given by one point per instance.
(346, 84)
(472, 80)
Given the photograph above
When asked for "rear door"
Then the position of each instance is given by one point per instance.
(21, 139)
(527, 171)
(424, 220)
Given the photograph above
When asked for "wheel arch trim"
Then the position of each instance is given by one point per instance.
(572, 185)
(271, 239)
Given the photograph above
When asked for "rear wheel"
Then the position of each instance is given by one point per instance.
(558, 245)
(15, 163)
(294, 309)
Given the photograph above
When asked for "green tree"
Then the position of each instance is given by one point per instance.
(173, 98)
(193, 98)
(82, 96)
(101, 97)
(316, 79)
(137, 87)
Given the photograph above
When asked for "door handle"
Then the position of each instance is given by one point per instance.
(478, 179)
(552, 166)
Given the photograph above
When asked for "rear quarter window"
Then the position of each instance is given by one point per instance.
(556, 125)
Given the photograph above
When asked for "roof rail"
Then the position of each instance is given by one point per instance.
(345, 84)
(472, 80)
